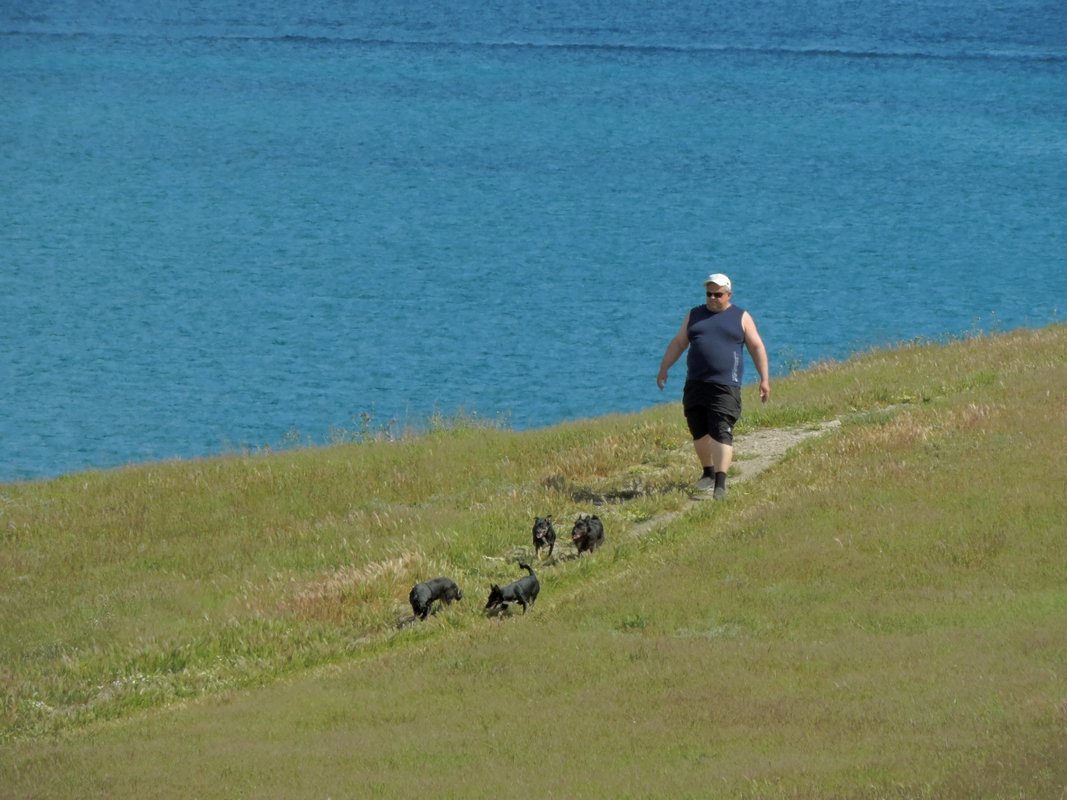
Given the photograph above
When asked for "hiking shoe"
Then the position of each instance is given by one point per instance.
(720, 493)
(705, 484)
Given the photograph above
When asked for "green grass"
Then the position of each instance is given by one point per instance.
(881, 614)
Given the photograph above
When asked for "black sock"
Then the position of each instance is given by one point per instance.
(720, 480)
(708, 472)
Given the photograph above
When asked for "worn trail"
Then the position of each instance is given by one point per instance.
(753, 453)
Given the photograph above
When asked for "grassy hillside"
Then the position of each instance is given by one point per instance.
(881, 614)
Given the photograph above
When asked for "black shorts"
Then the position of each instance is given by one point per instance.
(711, 409)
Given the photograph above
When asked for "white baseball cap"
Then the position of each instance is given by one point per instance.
(719, 280)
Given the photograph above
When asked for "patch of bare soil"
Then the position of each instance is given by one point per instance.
(756, 451)
(753, 453)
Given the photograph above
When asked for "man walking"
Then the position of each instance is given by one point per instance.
(714, 333)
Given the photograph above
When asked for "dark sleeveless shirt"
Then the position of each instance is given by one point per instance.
(715, 341)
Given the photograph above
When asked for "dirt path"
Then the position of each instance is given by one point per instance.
(753, 453)
(756, 451)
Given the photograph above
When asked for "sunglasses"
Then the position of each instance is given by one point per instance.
(716, 295)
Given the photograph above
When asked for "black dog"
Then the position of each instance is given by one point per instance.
(424, 594)
(544, 535)
(523, 591)
(588, 533)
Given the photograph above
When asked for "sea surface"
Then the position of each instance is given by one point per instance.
(228, 226)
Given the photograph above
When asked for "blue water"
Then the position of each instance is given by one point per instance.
(229, 225)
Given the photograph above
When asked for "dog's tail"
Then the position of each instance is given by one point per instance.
(526, 567)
